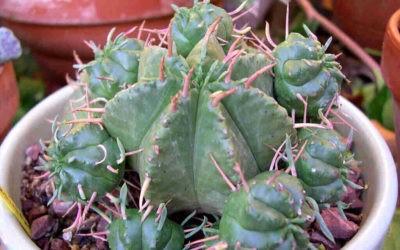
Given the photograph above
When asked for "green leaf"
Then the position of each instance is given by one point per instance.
(387, 114)
(375, 107)
(392, 240)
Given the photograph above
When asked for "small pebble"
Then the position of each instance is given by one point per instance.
(339, 227)
(41, 226)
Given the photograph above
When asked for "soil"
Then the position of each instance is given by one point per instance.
(48, 223)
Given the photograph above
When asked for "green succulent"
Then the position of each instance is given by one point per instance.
(148, 234)
(84, 160)
(323, 166)
(114, 67)
(303, 68)
(190, 25)
(271, 213)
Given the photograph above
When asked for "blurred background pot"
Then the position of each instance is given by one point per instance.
(365, 21)
(9, 98)
(390, 64)
(54, 29)
(10, 49)
(378, 172)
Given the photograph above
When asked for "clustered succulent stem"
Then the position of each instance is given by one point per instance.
(202, 118)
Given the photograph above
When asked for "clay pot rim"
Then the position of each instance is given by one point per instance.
(9, 17)
(393, 28)
(78, 23)
(88, 12)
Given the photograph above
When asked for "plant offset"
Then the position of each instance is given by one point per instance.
(212, 120)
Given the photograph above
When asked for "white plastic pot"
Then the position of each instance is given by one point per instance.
(378, 171)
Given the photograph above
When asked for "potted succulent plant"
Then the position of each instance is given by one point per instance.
(205, 125)
(10, 49)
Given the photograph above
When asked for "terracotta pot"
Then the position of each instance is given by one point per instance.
(390, 64)
(9, 97)
(378, 171)
(365, 21)
(54, 29)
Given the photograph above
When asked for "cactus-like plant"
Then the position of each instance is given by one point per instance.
(114, 67)
(303, 68)
(188, 127)
(270, 213)
(323, 166)
(184, 136)
(190, 25)
(152, 233)
(85, 160)
(201, 118)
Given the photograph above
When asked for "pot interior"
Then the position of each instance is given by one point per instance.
(378, 170)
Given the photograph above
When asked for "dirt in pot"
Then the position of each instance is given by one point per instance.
(51, 225)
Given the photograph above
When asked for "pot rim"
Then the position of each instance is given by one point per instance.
(85, 12)
(380, 215)
(369, 236)
(393, 28)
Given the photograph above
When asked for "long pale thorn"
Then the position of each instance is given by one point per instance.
(287, 20)
(169, 37)
(130, 31)
(309, 125)
(231, 65)
(212, 28)
(146, 213)
(145, 186)
(268, 35)
(260, 42)
(223, 175)
(91, 110)
(103, 148)
(305, 103)
(274, 159)
(134, 152)
(273, 178)
(243, 13)
(161, 74)
(300, 151)
(238, 170)
(234, 44)
(139, 36)
(221, 95)
(239, 8)
(186, 84)
(257, 74)
(85, 120)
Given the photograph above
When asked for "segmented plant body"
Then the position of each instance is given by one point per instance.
(323, 166)
(303, 68)
(270, 214)
(149, 234)
(80, 158)
(199, 122)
